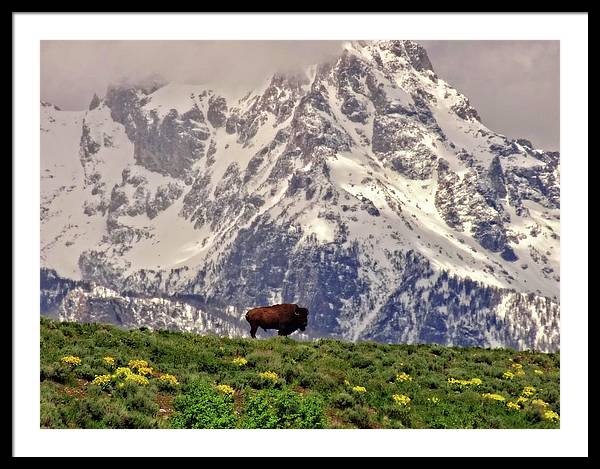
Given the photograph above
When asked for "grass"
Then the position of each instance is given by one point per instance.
(193, 381)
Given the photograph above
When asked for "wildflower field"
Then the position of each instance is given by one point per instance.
(99, 376)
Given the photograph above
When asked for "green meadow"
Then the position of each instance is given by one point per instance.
(100, 376)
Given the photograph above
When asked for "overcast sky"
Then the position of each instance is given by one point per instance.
(514, 85)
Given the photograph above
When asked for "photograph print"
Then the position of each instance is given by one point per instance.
(300, 234)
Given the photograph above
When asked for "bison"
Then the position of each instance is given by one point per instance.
(285, 318)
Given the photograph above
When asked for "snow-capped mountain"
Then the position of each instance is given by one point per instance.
(366, 189)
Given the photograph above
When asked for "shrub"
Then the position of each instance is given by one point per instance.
(240, 361)
(54, 372)
(268, 379)
(401, 377)
(272, 408)
(50, 416)
(208, 363)
(141, 400)
(136, 379)
(167, 382)
(269, 375)
(104, 381)
(225, 389)
(342, 400)
(137, 364)
(401, 399)
(71, 360)
(90, 412)
(403, 414)
(86, 372)
(359, 416)
(290, 372)
(308, 379)
(493, 396)
(202, 406)
(109, 361)
(359, 361)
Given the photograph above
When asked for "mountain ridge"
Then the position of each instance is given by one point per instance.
(362, 191)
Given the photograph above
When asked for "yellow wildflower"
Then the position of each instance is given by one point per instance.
(225, 389)
(122, 371)
(110, 361)
(403, 377)
(517, 366)
(145, 370)
(513, 405)
(551, 415)
(495, 397)
(136, 379)
(538, 372)
(71, 360)
(359, 389)
(169, 379)
(528, 391)
(239, 361)
(465, 382)
(519, 373)
(540, 403)
(508, 375)
(401, 399)
(102, 380)
(521, 400)
(137, 364)
(270, 375)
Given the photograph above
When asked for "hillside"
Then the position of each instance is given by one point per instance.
(185, 380)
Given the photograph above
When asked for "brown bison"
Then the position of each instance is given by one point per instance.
(285, 318)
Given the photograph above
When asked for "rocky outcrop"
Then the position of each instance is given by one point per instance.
(169, 145)
(94, 103)
(102, 305)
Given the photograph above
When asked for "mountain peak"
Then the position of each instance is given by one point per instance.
(411, 51)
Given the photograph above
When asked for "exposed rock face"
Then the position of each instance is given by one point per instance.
(417, 56)
(168, 144)
(94, 103)
(89, 147)
(464, 110)
(217, 111)
(453, 311)
(275, 104)
(54, 289)
(366, 189)
(100, 304)
(497, 180)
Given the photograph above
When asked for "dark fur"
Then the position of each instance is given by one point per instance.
(285, 318)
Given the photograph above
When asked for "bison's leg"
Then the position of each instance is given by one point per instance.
(253, 329)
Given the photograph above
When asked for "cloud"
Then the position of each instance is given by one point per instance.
(71, 71)
(513, 84)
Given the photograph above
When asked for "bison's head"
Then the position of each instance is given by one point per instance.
(301, 315)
